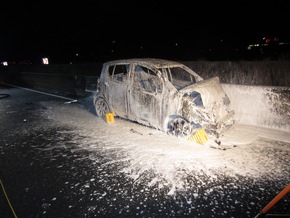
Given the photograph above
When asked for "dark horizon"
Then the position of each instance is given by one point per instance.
(89, 31)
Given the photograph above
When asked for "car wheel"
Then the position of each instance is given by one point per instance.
(180, 127)
(101, 106)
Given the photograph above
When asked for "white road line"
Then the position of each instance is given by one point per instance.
(44, 93)
(92, 91)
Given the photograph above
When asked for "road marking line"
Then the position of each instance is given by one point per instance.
(32, 90)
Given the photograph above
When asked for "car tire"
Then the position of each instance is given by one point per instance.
(101, 107)
(180, 127)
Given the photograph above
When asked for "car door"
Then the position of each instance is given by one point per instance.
(145, 96)
(117, 85)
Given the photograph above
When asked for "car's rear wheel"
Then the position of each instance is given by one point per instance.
(101, 106)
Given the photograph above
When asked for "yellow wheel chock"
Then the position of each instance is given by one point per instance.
(109, 117)
(199, 136)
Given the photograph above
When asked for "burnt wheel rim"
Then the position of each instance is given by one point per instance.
(102, 107)
(180, 128)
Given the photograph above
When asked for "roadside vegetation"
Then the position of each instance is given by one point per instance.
(265, 73)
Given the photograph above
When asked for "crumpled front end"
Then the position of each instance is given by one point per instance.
(205, 103)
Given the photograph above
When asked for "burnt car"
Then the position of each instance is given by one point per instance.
(163, 94)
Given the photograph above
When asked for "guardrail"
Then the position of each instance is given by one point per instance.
(264, 106)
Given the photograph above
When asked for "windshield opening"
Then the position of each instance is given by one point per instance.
(179, 77)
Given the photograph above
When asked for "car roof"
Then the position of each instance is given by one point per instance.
(154, 62)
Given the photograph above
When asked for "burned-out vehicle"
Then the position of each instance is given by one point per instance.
(163, 94)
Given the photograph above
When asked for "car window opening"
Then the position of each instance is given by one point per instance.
(179, 77)
(147, 79)
(119, 72)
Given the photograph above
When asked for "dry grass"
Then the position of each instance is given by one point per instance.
(265, 73)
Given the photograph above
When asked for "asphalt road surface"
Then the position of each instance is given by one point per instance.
(57, 159)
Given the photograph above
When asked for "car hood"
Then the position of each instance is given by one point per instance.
(210, 91)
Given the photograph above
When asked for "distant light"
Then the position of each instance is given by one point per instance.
(284, 43)
(77, 54)
(176, 44)
(45, 60)
(5, 63)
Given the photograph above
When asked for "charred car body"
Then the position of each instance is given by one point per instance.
(163, 94)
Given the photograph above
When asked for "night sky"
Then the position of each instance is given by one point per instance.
(97, 31)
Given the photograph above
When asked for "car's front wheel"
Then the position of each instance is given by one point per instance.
(180, 127)
(101, 106)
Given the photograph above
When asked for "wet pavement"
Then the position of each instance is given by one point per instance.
(57, 168)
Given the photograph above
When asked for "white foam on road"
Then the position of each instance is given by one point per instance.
(255, 152)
